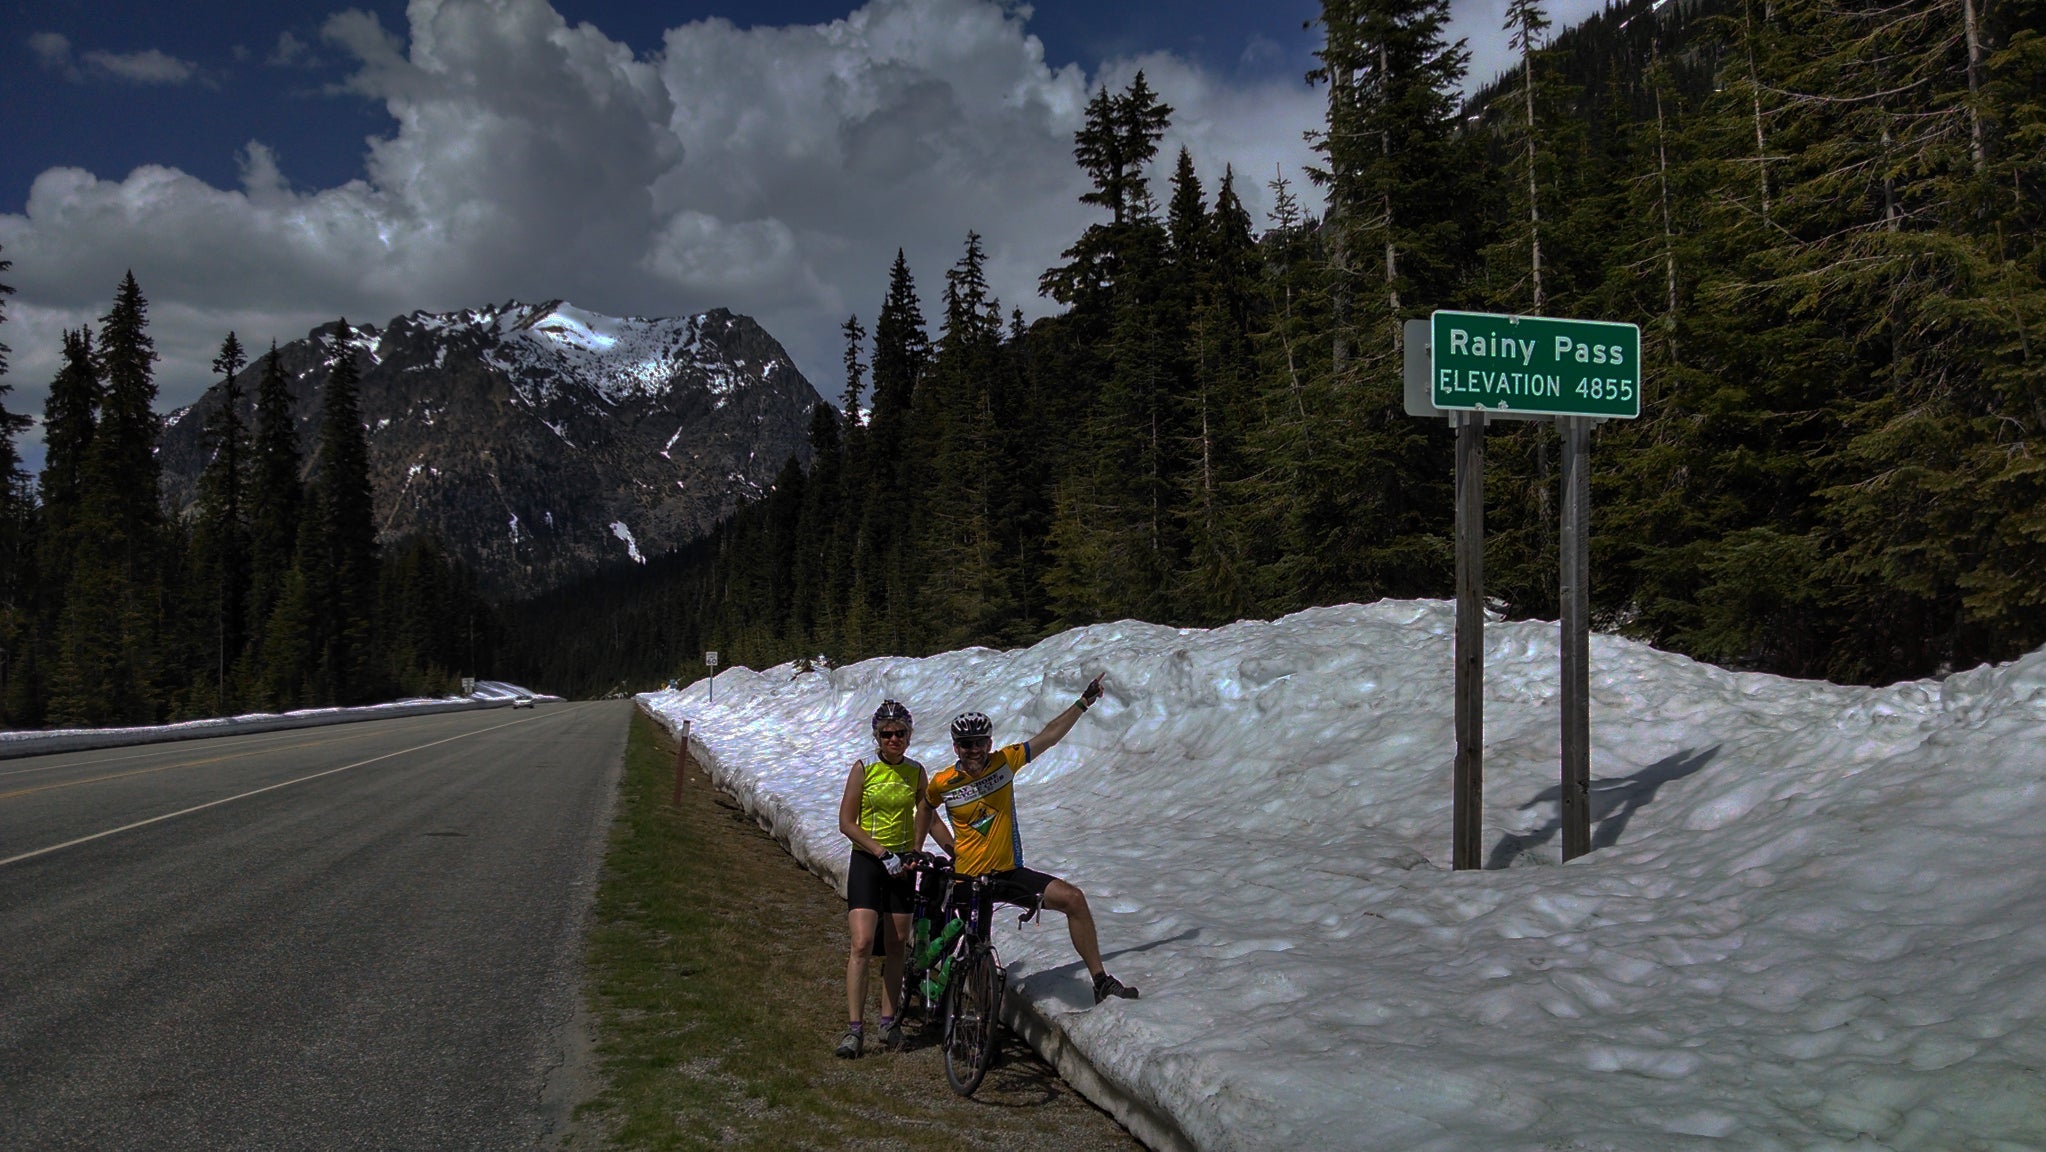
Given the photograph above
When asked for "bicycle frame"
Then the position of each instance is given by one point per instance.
(973, 998)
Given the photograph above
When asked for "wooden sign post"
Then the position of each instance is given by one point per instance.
(1574, 590)
(1474, 367)
(681, 762)
(1467, 808)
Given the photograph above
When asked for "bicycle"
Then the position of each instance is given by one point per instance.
(959, 972)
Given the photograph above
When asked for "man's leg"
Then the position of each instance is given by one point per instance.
(1060, 896)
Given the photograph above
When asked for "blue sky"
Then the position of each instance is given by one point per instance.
(243, 88)
(263, 168)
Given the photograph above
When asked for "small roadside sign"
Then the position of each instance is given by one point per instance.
(711, 658)
(1535, 365)
(1419, 398)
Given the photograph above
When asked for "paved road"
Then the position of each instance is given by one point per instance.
(365, 936)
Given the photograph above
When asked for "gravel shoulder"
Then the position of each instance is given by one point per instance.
(717, 970)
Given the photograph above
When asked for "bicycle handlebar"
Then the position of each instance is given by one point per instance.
(943, 865)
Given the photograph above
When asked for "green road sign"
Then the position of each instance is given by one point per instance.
(1535, 364)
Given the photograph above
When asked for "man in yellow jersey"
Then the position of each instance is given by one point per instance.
(883, 813)
(979, 798)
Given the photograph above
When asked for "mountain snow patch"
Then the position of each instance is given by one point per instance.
(619, 530)
(1815, 916)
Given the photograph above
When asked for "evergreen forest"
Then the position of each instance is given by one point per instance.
(1825, 215)
(272, 593)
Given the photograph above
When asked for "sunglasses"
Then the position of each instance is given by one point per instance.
(893, 734)
(976, 742)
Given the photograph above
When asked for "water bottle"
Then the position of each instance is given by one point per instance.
(934, 983)
(928, 953)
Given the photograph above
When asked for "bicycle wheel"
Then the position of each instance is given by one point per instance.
(972, 1015)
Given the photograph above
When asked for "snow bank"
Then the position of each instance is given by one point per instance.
(38, 742)
(1815, 918)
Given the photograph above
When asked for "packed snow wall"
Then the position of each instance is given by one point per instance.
(1815, 916)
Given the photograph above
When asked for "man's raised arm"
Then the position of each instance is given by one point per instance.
(1064, 721)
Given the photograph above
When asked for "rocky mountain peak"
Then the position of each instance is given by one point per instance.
(542, 441)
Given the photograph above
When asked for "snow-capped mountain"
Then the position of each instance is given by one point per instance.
(541, 441)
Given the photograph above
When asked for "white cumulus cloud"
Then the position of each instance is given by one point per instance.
(149, 66)
(52, 49)
(774, 171)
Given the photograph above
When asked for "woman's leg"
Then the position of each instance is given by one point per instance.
(897, 938)
(862, 922)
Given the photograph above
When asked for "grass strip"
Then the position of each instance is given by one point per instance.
(718, 970)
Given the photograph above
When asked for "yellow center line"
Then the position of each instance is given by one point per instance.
(252, 792)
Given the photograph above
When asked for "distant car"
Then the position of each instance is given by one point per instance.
(522, 701)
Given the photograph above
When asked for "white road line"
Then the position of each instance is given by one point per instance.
(245, 795)
(173, 748)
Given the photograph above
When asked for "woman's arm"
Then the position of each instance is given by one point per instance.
(849, 813)
(928, 822)
(920, 824)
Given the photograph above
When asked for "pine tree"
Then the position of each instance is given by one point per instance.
(1217, 582)
(1120, 137)
(1114, 146)
(122, 466)
(784, 550)
(1355, 488)
(1114, 513)
(16, 553)
(275, 497)
(1186, 219)
(883, 592)
(855, 372)
(966, 575)
(70, 414)
(420, 600)
(70, 418)
(1387, 154)
(222, 532)
(2005, 577)
(113, 624)
(840, 622)
(288, 668)
(813, 614)
(1525, 22)
(348, 532)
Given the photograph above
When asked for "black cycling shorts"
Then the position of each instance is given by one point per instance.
(1019, 886)
(868, 885)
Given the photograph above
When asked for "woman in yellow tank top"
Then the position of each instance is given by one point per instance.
(884, 814)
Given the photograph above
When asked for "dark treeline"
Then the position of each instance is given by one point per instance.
(272, 592)
(1825, 216)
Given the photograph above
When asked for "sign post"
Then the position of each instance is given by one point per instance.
(681, 762)
(1467, 808)
(711, 658)
(1574, 590)
(1476, 367)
